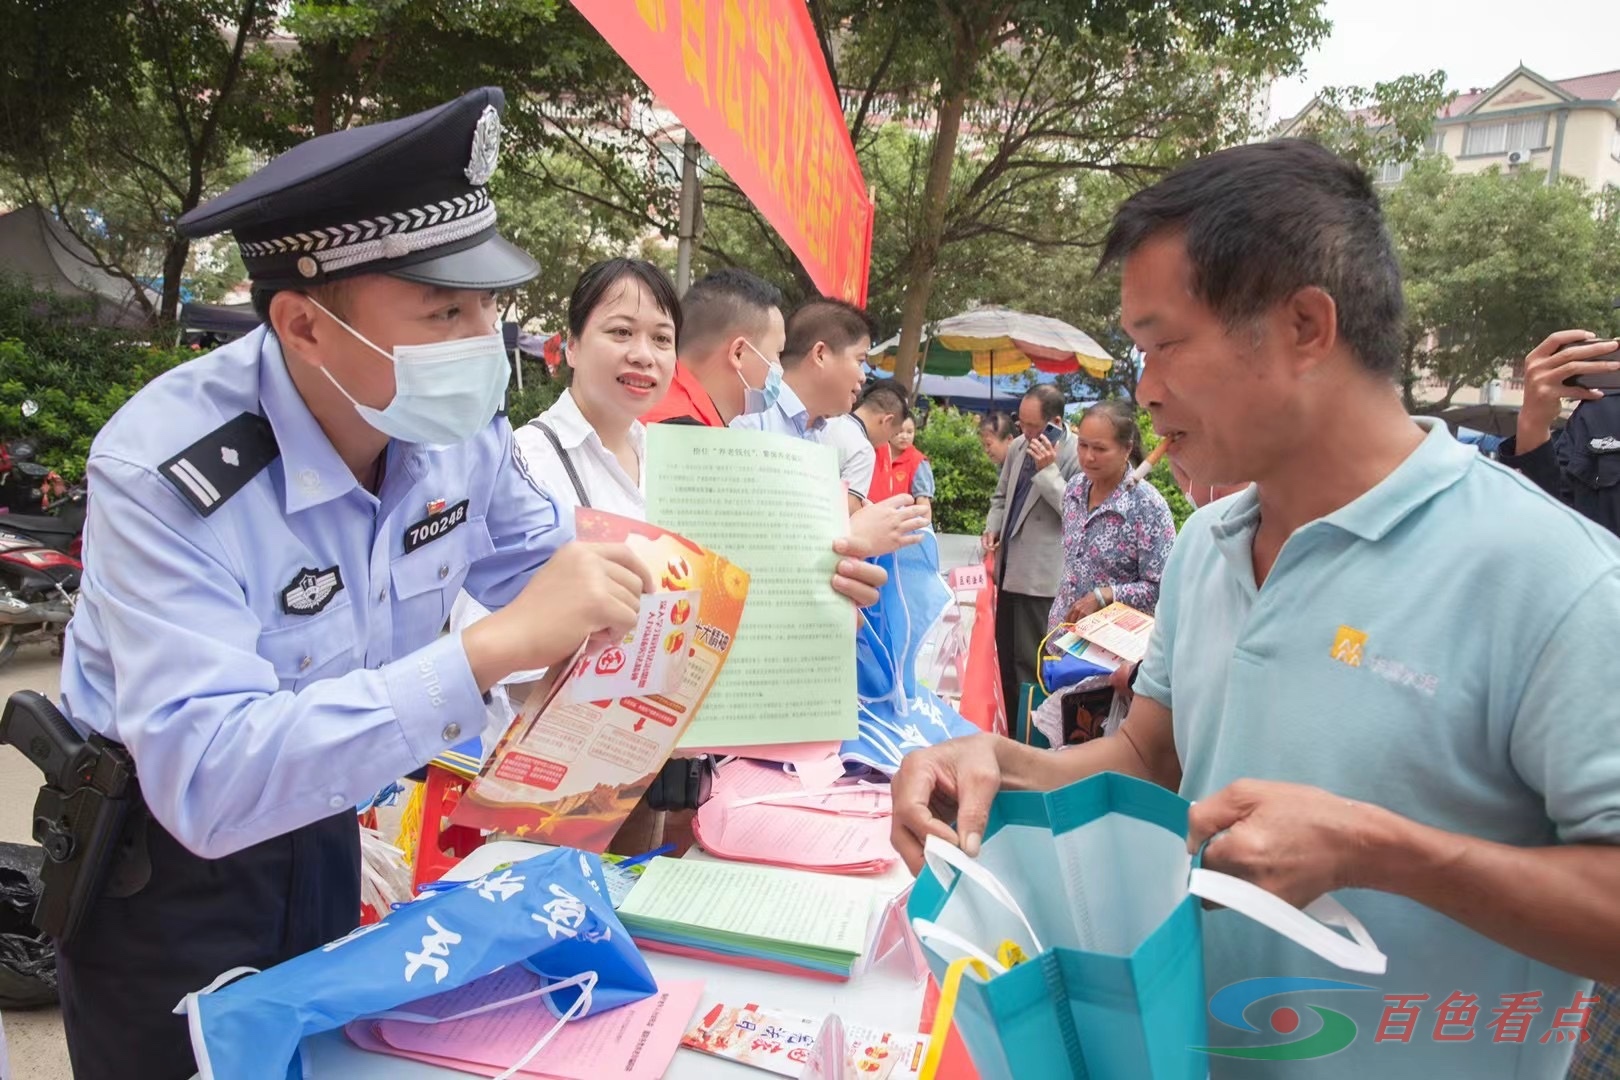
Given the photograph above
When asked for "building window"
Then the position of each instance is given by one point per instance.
(1393, 172)
(1528, 133)
(1614, 142)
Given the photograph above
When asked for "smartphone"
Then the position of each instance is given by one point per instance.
(1053, 434)
(1596, 380)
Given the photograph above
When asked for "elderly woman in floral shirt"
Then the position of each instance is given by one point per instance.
(1117, 532)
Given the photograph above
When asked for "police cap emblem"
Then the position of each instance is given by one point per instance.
(486, 147)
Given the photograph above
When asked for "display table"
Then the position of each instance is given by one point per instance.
(885, 997)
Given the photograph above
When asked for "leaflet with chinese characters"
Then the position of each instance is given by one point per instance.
(580, 755)
(781, 1042)
(1118, 628)
(776, 505)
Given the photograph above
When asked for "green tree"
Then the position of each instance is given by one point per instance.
(357, 61)
(1050, 89)
(1388, 122)
(1493, 263)
(76, 373)
(1162, 477)
(964, 476)
(123, 117)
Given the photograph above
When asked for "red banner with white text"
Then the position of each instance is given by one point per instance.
(747, 78)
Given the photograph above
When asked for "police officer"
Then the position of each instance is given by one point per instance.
(278, 531)
(1579, 465)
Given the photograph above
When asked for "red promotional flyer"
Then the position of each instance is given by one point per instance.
(579, 756)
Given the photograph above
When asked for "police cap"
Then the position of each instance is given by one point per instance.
(406, 198)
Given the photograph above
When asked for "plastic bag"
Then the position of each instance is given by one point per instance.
(895, 713)
(550, 913)
(27, 957)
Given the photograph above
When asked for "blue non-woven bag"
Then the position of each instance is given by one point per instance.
(550, 913)
(896, 714)
(1093, 885)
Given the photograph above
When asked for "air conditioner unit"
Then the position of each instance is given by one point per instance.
(1518, 157)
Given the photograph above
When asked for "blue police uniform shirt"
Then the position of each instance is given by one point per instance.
(1440, 647)
(280, 658)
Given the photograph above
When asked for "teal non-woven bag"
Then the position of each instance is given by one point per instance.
(1094, 885)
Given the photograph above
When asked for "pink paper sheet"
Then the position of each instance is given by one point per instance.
(842, 833)
(818, 772)
(775, 967)
(752, 780)
(783, 752)
(636, 1042)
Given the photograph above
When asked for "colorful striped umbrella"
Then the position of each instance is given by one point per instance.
(994, 341)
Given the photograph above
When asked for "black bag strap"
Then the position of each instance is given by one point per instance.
(567, 462)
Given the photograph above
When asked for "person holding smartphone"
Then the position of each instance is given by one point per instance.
(1024, 529)
(1580, 465)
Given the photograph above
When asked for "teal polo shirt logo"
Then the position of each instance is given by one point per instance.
(1348, 645)
(1350, 649)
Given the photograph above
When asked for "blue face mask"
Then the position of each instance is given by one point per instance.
(444, 393)
(757, 401)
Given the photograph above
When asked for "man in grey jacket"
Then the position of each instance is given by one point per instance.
(1025, 530)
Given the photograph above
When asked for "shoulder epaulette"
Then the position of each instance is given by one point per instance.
(220, 464)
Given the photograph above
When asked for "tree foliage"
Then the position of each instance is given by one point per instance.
(123, 117)
(964, 476)
(1387, 122)
(78, 374)
(178, 99)
(1494, 262)
(1048, 90)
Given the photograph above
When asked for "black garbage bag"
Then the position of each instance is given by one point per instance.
(27, 957)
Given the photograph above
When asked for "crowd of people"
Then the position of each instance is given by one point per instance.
(1378, 666)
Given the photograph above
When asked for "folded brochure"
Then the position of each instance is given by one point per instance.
(570, 771)
(781, 1042)
(1117, 628)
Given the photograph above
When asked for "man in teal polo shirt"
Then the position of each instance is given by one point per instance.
(1380, 672)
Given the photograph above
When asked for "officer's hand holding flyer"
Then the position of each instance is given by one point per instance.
(581, 754)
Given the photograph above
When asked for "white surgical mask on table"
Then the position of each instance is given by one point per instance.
(444, 393)
(757, 401)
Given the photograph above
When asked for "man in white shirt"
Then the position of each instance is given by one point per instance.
(822, 365)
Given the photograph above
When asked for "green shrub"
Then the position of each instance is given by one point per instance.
(1161, 477)
(964, 476)
(77, 373)
(965, 479)
(539, 392)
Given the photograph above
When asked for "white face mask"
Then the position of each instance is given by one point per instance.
(757, 401)
(444, 393)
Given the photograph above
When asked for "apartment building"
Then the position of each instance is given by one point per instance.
(1569, 127)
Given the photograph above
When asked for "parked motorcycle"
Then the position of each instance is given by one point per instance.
(39, 588)
(34, 499)
(41, 547)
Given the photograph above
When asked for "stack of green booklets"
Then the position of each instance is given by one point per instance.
(759, 916)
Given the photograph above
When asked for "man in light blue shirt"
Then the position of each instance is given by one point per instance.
(822, 375)
(275, 535)
(1380, 672)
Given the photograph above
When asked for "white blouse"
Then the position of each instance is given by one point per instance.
(606, 483)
